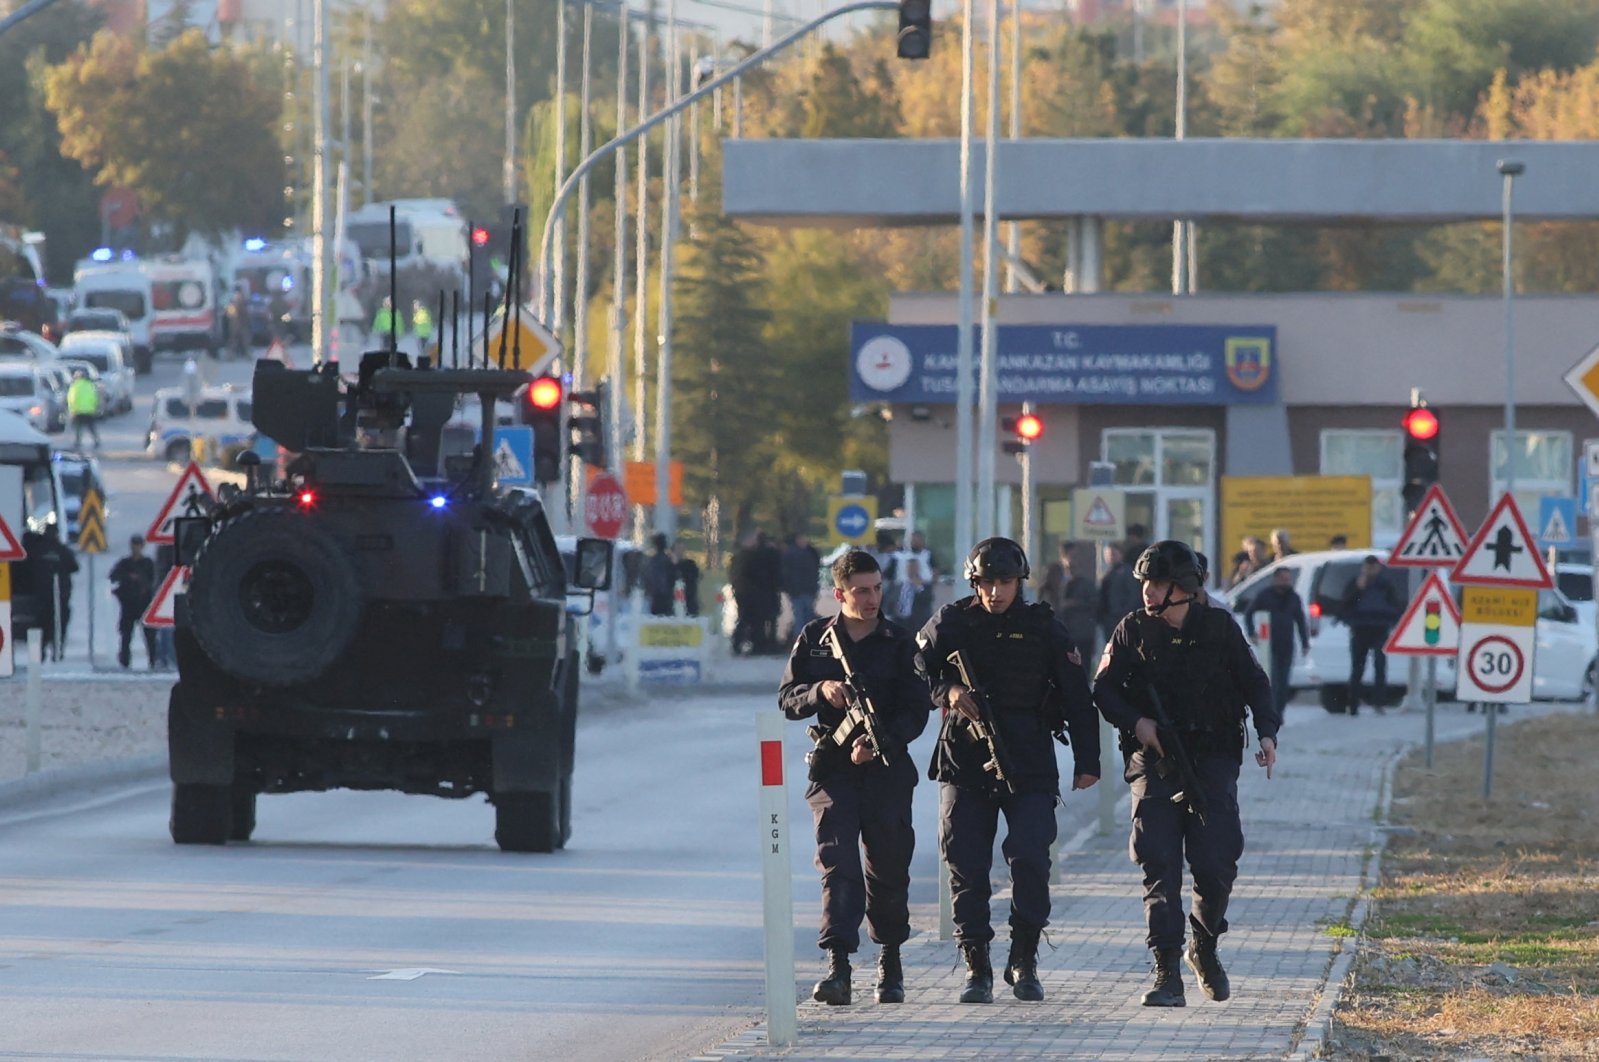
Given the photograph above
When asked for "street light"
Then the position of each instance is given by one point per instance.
(1510, 169)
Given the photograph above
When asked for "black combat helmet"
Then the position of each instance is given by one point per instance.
(1171, 561)
(996, 558)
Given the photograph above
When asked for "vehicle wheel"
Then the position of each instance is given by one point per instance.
(528, 822)
(200, 814)
(177, 452)
(273, 598)
(1335, 698)
(243, 810)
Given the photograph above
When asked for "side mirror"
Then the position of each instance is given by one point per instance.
(188, 535)
(593, 564)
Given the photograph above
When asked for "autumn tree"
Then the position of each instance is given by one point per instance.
(186, 127)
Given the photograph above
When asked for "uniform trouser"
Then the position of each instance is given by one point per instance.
(1165, 833)
(1282, 664)
(864, 808)
(968, 820)
(125, 627)
(1364, 641)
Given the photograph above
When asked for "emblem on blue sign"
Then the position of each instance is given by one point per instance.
(1248, 360)
(851, 521)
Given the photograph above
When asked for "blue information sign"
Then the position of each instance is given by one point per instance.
(1205, 365)
(852, 521)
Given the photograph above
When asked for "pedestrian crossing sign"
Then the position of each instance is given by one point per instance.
(1434, 538)
(513, 456)
(1557, 520)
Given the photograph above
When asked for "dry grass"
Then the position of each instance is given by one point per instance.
(1483, 940)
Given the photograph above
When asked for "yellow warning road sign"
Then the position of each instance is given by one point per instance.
(91, 523)
(1099, 514)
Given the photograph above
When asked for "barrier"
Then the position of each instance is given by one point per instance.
(669, 651)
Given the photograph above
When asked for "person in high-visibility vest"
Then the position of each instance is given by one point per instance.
(383, 320)
(421, 324)
(83, 404)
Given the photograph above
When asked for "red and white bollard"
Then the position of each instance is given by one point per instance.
(777, 875)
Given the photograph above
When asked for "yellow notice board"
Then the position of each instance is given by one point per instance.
(1504, 605)
(1311, 508)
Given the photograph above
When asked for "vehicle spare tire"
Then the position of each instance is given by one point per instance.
(273, 598)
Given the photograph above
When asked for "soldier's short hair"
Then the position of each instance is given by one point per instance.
(853, 562)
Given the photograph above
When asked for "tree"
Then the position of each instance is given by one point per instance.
(147, 120)
(723, 399)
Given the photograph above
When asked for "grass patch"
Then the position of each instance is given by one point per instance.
(1483, 939)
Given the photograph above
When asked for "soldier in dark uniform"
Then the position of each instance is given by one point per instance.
(1033, 679)
(860, 796)
(1194, 657)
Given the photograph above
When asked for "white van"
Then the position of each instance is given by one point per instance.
(183, 298)
(427, 232)
(121, 286)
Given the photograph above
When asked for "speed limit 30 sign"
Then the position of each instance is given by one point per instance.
(1497, 640)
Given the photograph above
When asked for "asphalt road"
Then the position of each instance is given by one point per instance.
(642, 940)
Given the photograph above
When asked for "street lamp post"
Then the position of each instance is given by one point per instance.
(1509, 169)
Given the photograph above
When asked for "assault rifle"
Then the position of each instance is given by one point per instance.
(1175, 758)
(985, 727)
(860, 712)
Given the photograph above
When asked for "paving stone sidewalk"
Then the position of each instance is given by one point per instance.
(1311, 832)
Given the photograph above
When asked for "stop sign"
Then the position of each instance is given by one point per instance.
(604, 505)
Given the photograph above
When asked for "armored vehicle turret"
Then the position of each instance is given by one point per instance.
(377, 613)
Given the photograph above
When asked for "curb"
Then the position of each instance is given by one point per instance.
(58, 780)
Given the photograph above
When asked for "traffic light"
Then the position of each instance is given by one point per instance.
(915, 39)
(1028, 429)
(542, 413)
(1423, 432)
(585, 425)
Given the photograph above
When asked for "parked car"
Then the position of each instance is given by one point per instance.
(108, 319)
(23, 391)
(1563, 665)
(222, 415)
(112, 355)
(57, 378)
(77, 472)
(1576, 582)
(592, 635)
(19, 343)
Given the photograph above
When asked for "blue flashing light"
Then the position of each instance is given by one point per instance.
(128, 256)
(255, 243)
(287, 283)
(101, 254)
(438, 501)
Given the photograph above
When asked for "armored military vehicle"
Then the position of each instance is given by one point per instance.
(379, 613)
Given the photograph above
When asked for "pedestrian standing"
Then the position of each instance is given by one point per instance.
(1371, 607)
(1073, 598)
(83, 404)
(660, 578)
(742, 576)
(801, 570)
(1025, 669)
(927, 579)
(1118, 590)
(1185, 661)
(767, 573)
(383, 321)
(421, 325)
(1281, 546)
(133, 585)
(860, 795)
(688, 573)
(1285, 615)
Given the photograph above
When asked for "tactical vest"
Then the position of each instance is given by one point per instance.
(1188, 668)
(1012, 653)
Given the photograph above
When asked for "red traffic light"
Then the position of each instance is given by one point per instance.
(480, 236)
(1421, 423)
(1029, 426)
(544, 393)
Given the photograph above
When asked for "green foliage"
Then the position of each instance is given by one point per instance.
(147, 120)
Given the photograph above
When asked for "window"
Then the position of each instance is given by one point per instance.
(1169, 475)
(1544, 465)
(1380, 455)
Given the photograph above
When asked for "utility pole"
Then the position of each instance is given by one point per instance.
(508, 172)
(366, 111)
(988, 379)
(665, 515)
(319, 178)
(613, 414)
(559, 263)
(641, 271)
(964, 397)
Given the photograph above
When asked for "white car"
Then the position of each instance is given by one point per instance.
(112, 354)
(1576, 583)
(222, 415)
(1563, 665)
(24, 392)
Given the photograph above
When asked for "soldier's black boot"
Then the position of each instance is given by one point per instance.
(1168, 990)
(834, 988)
(1021, 969)
(890, 975)
(979, 974)
(1201, 956)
